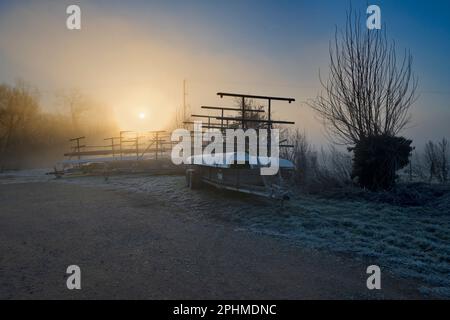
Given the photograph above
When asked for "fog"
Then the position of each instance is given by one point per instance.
(134, 64)
(130, 66)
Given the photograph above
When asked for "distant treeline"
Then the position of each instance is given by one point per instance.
(31, 136)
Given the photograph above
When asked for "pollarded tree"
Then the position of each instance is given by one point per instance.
(367, 96)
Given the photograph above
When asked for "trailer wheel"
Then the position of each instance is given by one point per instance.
(188, 178)
(193, 179)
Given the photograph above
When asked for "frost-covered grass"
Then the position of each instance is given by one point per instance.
(406, 231)
(410, 241)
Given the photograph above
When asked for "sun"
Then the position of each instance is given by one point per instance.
(141, 115)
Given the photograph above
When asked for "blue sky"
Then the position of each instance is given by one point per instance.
(266, 46)
(282, 28)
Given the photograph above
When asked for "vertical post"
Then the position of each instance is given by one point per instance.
(78, 148)
(113, 148)
(243, 125)
(157, 145)
(120, 144)
(137, 145)
(269, 128)
(184, 101)
(269, 113)
(243, 113)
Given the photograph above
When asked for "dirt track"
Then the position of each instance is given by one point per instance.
(137, 246)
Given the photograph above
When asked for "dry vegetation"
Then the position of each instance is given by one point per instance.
(329, 169)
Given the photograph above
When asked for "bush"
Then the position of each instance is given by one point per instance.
(377, 159)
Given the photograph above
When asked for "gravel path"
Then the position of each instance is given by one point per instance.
(132, 242)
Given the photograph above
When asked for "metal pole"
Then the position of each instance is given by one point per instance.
(113, 148)
(137, 145)
(120, 144)
(78, 148)
(184, 100)
(157, 145)
(269, 131)
(243, 112)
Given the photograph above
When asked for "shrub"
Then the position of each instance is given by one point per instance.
(377, 159)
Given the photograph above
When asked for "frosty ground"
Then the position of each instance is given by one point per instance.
(410, 241)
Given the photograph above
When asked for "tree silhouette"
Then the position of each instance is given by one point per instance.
(368, 93)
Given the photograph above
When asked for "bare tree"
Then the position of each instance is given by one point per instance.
(365, 102)
(417, 166)
(75, 103)
(340, 164)
(431, 160)
(316, 171)
(443, 155)
(436, 159)
(302, 155)
(252, 112)
(369, 92)
(18, 105)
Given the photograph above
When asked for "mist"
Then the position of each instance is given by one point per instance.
(134, 63)
(131, 67)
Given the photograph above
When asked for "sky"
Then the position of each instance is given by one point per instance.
(134, 55)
